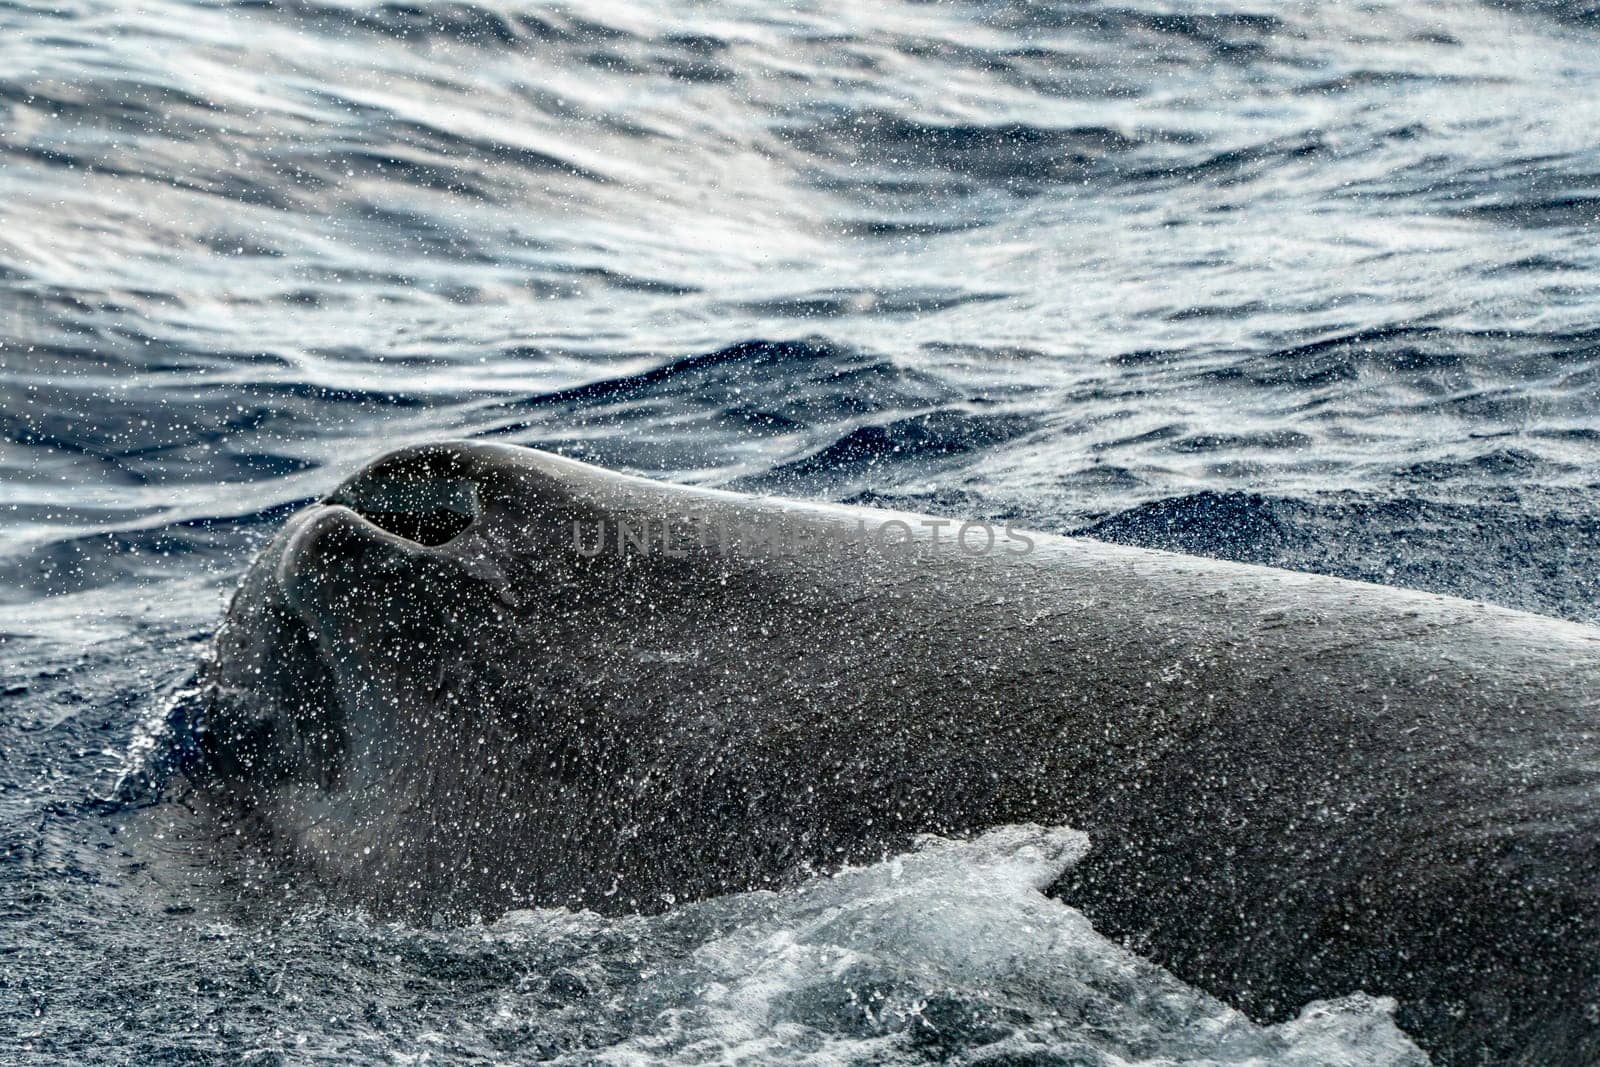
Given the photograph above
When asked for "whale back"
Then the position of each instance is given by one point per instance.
(479, 677)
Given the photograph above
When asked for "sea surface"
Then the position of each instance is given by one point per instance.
(1314, 285)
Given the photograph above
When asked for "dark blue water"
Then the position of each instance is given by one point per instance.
(1315, 285)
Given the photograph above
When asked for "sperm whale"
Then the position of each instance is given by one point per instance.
(478, 676)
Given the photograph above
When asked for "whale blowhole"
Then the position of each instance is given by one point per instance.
(416, 502)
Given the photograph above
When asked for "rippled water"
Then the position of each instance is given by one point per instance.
(1304, 284)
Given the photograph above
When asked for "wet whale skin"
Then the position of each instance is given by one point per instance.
(479, 676)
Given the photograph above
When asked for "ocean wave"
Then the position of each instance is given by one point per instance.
(1498, 552)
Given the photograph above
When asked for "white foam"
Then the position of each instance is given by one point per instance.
(950, 953)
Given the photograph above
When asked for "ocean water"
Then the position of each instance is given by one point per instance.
(1314, 285)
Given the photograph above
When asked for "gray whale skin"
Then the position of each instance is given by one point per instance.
(479, 676)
